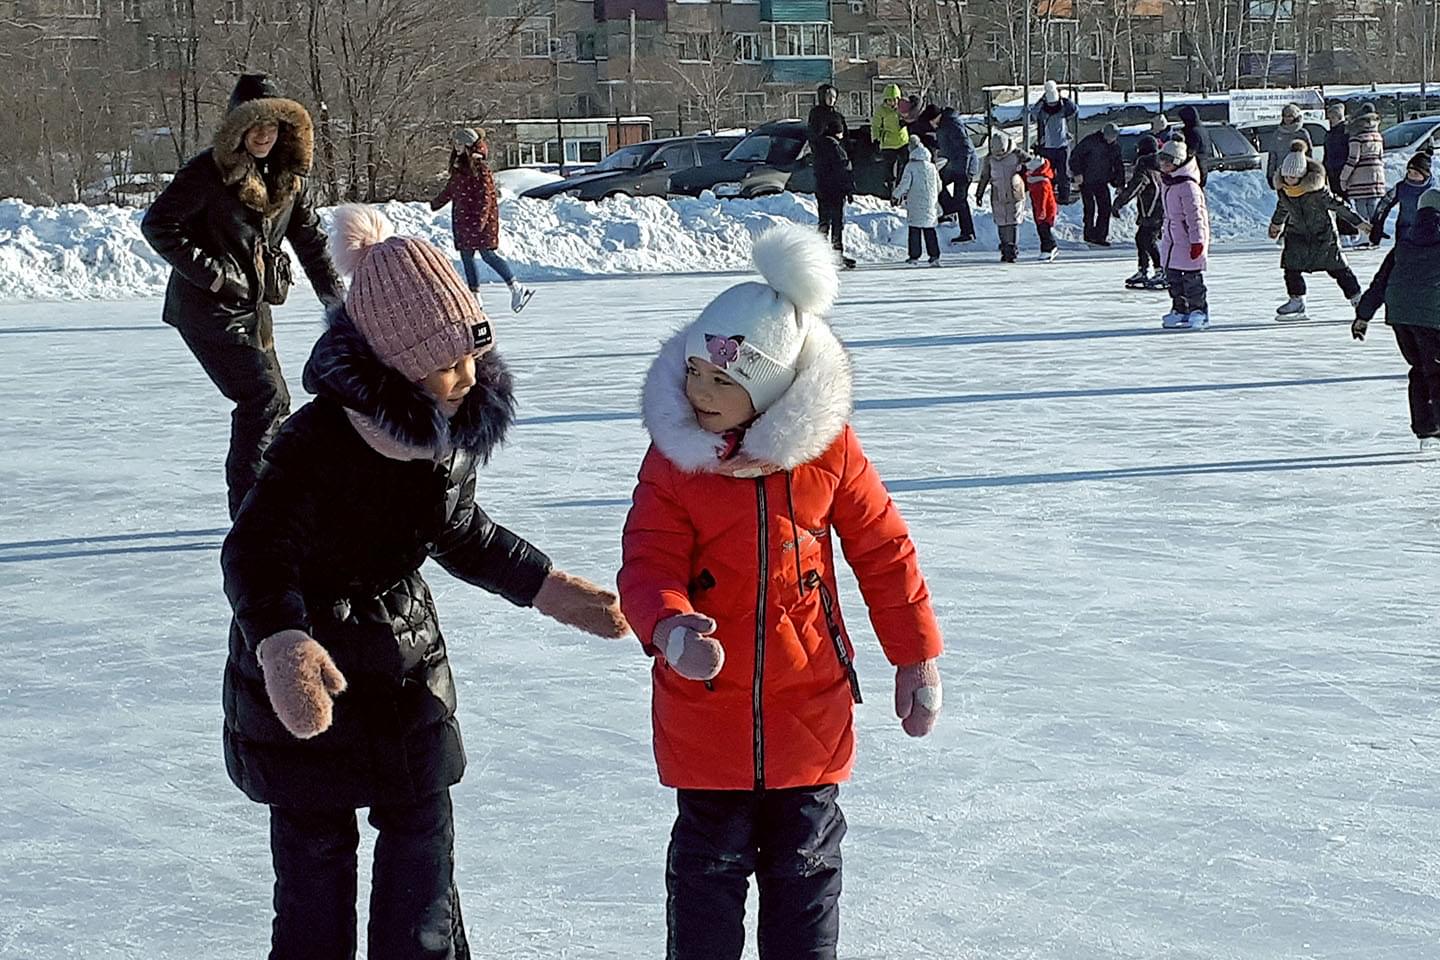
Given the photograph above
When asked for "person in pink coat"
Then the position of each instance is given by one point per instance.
(1185, 238)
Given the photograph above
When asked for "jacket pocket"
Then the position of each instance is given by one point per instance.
(837, 637)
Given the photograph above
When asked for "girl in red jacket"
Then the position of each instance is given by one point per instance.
(729, 581)
(475, 217)
(1040, 182)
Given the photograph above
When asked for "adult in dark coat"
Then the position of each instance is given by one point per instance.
(1337, 148)
(219, 225)
(961, 166)
(834, 184)
(824, 113)
(1097, 166)
(1197, 141)
(337, 689)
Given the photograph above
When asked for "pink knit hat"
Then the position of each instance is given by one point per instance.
(405, 297)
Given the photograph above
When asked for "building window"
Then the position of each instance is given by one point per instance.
(857, 7)
(859, 104)
(231, 11)
(693, 47)
(799, 40)
(800, 103)
(131, 11)
(586, 105)
(1060, 36)
(752, 107)
(1352, 33)
(1178, 44)
(80, 9)
(855, 48)
(747, 48)
(585, 46)
(1144, 45)
(995, 45)
(879, 45)
(535, 43)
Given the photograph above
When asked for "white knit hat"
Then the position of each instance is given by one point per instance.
(1295, 161)
(1174, 150)
(1052, 91)
(754, 331)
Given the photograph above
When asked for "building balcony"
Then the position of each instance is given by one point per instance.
(652, 10)
(807, 70)
(794, 11)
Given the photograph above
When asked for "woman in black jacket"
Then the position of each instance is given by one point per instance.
(338, 692)
(219, 225)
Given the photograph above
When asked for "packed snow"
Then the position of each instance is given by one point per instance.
(1186, 579)
(77, 252)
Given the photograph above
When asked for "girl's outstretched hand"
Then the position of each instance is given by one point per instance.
(684, 641)
(576, 602)
(918, 697)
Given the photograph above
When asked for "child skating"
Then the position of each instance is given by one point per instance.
(475, 215)
(1305, 212)
(1405, 195)
(1040, 183)
(1408, 284)
(337, 692)
(729, 580)
(1145, 189)
(1185, 239)
(919, 190)
(1003, 172)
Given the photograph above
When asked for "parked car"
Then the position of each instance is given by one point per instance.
(1260, 133)
(1229, 148)
(1411, 135)
(639, 169)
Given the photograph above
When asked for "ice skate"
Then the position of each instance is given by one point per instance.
(1196, 320)
(1430, 446)
(1173, 320)
(519, 296)
(1138, 280)
(1292, 309)
(848, 263)
(1157, 282)
(933, 261)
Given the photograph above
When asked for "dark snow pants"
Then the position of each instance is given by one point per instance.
(1009, 243)
(831, 211)
(1421, 348)
(1187, 290)
(790, 839)
(414, 905)
(1046, 232)
(955, 199)
(247, 374)
(1295, 282)
(931, 239)
(1147, 245)
(1096, 198)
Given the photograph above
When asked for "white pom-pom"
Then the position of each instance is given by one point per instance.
(799, 265)
(356, 228)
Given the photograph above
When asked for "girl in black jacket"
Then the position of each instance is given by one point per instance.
(338, 692)
(1144, 188)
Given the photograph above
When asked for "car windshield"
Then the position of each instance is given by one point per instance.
(1404, 134)
(626, 158)
(1229, 142)
(764, 148)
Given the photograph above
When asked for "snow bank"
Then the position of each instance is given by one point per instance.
(77, 252)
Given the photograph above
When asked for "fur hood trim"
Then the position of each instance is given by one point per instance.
(287, 163)
(344, 368)
(796, 429)
(1365, 123)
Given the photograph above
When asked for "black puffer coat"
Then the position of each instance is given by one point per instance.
(330, 542)
(834, 175)
(221, 212)
(1307, 211)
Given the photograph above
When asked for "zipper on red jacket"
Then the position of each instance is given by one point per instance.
(757, 713)
(827, 603)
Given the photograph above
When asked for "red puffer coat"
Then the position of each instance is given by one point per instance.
(475, 218)
(704, 536)
(1041, 184)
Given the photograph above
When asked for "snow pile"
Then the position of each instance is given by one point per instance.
(78, 252)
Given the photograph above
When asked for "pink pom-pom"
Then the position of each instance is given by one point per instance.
(356, 229)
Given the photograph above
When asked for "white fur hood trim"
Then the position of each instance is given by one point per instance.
(799, 427)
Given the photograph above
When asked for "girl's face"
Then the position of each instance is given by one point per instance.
(1414, 176)
(260, 139)
(719, 403)
(1166, 164)
(1291, 181)
(449, 386)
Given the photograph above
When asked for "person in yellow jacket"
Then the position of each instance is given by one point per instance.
(889, 133)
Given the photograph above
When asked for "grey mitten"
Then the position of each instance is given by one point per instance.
(918, 697)
(684, 642)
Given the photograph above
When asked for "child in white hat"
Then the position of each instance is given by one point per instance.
(1305, 212)
(729, 580)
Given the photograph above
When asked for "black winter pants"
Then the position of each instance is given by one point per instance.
(1187, 290)
(1147, 245)
(247, 374)
(931, 239)
(1059, 158)
(1295, 282)
(1009, 243)
(831, 211)
(414, 906)
(1046, 232)
(790, 839)
(955, 199)
(1421, 348)
(1096, 197)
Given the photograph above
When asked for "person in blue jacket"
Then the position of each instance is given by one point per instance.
(1053, 138)
(962, 165)
(1405, 195)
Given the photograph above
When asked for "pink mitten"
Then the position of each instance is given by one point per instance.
(301, 681)
(683, 642)
(918, 697)
(576, 602)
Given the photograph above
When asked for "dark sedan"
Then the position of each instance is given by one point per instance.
(638, 169)
(774, 158)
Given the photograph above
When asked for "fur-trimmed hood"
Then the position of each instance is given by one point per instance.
(1365, 123)
(796, 429)
(266, 191)
(1313, 180)
(344, 368)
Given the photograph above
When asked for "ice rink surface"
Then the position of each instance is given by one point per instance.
(1187, 582)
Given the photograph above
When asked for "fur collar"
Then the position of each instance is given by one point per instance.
(798, 428)
(344, 368)
(1366, 123)
(1313, 181)
(288, 161)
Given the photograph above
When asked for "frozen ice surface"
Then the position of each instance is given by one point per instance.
(1187, 581)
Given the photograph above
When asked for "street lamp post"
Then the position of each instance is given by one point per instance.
(1025, 97)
